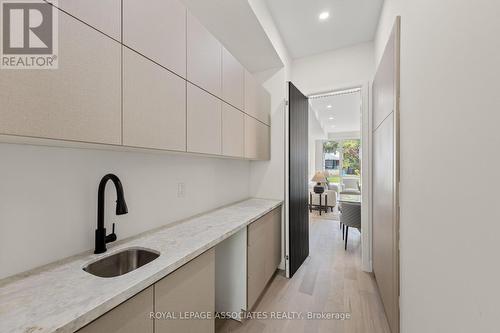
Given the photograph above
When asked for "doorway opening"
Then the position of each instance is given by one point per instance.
(337, 158)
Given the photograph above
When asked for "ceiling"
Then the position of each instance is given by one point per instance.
(350, 22)
(234, 24)
(345, 111)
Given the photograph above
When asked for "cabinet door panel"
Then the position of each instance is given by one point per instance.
(131, 316)
(264, 253)
(204, 57)
(154, 105)
(157, 29)
(257, 99)
(80, 101)
(104, 15)
(251, 95)
(233, 131)
(190, 288)
(264, 106)
(204, 123)
(256, 139)
(233, 80)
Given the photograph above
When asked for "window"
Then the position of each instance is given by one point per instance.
(342, 159)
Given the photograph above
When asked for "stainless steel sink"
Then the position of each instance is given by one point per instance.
(121, 262)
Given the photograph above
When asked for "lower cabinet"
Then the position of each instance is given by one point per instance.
(131, 316)
(245, 263)
(190, 289)
(263, 254)
(187, 292)
(185, 300)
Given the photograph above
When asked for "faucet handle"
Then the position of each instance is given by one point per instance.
(112, 236)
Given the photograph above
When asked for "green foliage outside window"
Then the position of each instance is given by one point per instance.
(351, 156)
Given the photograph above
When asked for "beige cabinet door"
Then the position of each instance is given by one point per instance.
(233, 131)
(189, 289)
(257, 99)
(79, 101)
(251, 95)
(257, 144)
(263, 254)
(132, 316)
(154, 105)
(264, 106)
(104, 15)
(233, 80)
(204, 123)
(157, 29)
(204, 57)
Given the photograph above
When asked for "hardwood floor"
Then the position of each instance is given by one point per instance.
(330, 280)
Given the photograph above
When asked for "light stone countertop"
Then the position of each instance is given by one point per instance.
(61, 297)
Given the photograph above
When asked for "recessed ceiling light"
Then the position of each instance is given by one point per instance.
(324, 15)
(331, 118)
(329, 106)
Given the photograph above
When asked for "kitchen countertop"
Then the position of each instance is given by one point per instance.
(61, 297)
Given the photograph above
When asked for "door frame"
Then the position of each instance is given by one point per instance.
(366, 172)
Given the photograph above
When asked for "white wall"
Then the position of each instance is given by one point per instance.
(333, 70)
(48, 197)
(267, 178)
(316, 132)
(450, 221)
(319, 161)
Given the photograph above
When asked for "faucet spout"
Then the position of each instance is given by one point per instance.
(121, 208)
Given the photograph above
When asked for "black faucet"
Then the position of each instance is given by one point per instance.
(121, 208)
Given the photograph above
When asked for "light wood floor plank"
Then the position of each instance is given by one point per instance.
(330, 280)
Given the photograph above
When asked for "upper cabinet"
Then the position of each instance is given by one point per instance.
(137, 74)
(233, 131)
(157, 29)
(233, 80)
(257, 99)
(264, 105)
(204, 57)
(154, 105)
(257, 139)
(79, 101)
(204, 122)
(104, 15)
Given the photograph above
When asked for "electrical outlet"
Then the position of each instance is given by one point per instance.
(181, 190)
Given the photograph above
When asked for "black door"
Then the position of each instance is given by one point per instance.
(298, 182)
